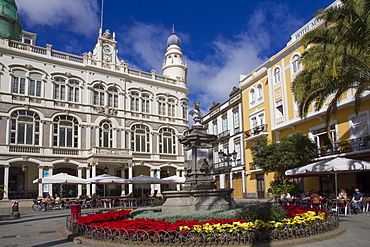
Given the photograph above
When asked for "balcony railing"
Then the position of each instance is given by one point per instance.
(260, 129)
(352, 145)
(224, 134)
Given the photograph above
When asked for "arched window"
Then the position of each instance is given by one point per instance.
(140, 138)
(167, 141)
(171, 107)
(19, 82)
(65, 131)
(296, 65)
(252, 97)
(277, 76)
(112, 97)
(184, 110)
(161, 106)
(98, 95)
(134, 97)
(35, 84)
(73, 91)
(24, 127)
(259, 92)
(145, 103)
(106, 134)
(59, 85)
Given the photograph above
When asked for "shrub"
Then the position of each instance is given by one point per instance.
(261, 211)
(173, 217)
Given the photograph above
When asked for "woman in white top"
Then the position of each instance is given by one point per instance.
(342, 195)
(285, 195)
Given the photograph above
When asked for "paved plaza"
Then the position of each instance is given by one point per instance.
(45, 229)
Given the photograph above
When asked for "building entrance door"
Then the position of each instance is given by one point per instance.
(260, 186)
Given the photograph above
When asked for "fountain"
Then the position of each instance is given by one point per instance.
(199, 192)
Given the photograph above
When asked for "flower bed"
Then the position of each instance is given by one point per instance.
(115, 226)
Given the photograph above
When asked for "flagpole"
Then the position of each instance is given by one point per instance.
(101, 17)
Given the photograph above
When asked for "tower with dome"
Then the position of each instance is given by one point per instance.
(86, 114)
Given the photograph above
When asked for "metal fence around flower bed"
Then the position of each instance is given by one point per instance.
(239, 236)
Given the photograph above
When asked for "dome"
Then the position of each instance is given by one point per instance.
(173, 40)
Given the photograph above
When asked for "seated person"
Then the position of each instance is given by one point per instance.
(357, 198)
(305, 198)
(57, 201)
(285, 195)
(314, 195)
(342, 195)
(46, 201)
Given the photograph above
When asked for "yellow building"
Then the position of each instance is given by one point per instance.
(269, 110)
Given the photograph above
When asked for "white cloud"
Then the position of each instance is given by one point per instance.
(78, 16)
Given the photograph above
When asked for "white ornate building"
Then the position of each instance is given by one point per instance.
(87, 115)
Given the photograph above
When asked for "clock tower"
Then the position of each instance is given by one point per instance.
(105, 51)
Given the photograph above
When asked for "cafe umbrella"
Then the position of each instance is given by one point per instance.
(108, 179)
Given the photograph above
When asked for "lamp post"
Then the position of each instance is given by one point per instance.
(228, 157)
(106, 169)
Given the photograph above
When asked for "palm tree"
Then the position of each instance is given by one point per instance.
(338, 59)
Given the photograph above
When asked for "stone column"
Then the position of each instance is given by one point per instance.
(41, 169)
(222, 181)
(79, 186)
(153, 187)
(243, 181)
(88, 187)
(123, 192)
(6, 181)
(178, 185)
(130, 187)
(50, 186)
(93, 175)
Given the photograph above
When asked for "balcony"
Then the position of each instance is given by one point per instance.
(256, 131)
(349, 146)
(222, 166)
(224, 134)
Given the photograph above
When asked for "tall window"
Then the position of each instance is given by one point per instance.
(171, 107)
(296, 66)
(19, 82)
(359, 126)
(215, 129)
(73, 91)
(257, 120)
(59, 88)
(112, 97)
(140, 138)
(65, 131)
(184, 110)
(106, 134)
(98, 95)
(259, 93)
(35, 84)
(277, 76)
(167, 141)
(145, 106)
(161, 106)
(252, 97)
(134, 98)
(236, 122)
(279, 109)
(224, 124)
(25, 127)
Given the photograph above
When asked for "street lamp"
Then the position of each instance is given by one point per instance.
(228, 157)
(24, 168)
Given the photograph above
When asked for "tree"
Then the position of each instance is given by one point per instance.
(291, 152)
(338, 59)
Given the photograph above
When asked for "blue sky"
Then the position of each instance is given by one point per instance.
(220, 39)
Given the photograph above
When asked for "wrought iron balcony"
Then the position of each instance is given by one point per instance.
(348, 146)
(224, 134)
(258, 130)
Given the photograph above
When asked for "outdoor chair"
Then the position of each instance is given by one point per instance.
(316, 203)
(342, 205)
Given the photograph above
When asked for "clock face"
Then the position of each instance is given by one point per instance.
(106, 49)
